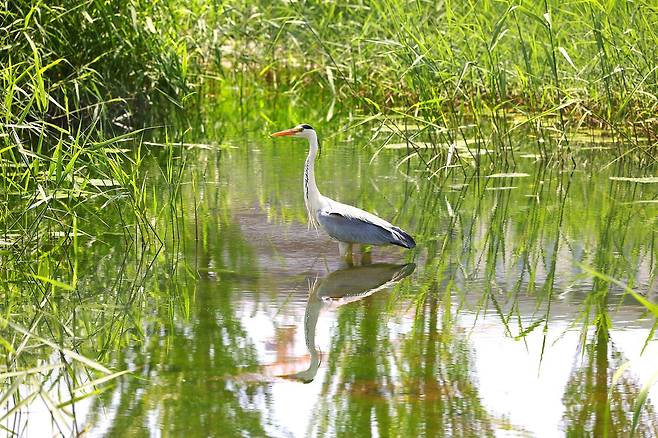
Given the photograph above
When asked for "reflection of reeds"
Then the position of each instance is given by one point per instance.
(524, 253)
(530, 239)
(433, 392)
(77, 253)
(598, 403)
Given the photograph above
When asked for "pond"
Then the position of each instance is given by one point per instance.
(234, 318)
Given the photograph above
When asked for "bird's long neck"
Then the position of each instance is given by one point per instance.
(312, 195)
(311, 314)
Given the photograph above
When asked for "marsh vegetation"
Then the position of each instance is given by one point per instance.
(155, 263)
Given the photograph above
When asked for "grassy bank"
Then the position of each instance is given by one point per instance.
(471, 57)
(436, 72)
(447, 67)
(72, 183)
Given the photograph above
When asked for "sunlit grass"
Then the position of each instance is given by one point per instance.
(551, 66)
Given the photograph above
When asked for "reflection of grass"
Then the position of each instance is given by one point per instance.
(433, 395)
(651, 307)
(600, 405)
(519, 240)
(78, 251)
(646, 428)
(524, 254)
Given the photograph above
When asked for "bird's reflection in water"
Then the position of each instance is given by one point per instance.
(341, 287)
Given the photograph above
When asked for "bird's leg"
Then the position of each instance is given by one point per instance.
(366, 255)
(345, 251)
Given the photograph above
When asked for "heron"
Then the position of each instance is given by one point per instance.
(344, 223)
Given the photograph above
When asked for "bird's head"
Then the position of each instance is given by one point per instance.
(305, 131)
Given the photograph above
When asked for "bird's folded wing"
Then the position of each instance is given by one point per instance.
(346, 228)
(350, 224)
(349, 211)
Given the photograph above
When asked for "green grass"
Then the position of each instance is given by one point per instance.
(72, 182)
(554, 66)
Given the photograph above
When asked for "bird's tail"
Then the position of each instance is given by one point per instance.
(403, 239)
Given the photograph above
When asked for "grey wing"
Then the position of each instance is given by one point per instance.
(351, 229)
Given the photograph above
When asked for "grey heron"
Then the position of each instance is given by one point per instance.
(344, 223)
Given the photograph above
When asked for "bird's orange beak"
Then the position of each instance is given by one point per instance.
(291, 131)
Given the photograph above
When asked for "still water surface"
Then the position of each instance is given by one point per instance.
(490, 327)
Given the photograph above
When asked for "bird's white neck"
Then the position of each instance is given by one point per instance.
(312, 196)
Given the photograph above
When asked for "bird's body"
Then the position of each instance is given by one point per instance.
(344, 223)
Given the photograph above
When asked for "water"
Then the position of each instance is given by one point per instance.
(248, 324)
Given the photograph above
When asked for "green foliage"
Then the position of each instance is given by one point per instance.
(70, 54)
(554, 66)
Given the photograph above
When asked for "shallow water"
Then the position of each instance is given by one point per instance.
(491, 326)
